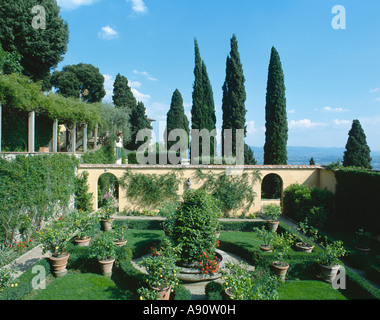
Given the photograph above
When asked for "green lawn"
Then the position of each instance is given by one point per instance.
(308, 290)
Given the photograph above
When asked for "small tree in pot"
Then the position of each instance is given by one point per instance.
(273, 212)
(267, 236)
(82, 224)
(104, 250)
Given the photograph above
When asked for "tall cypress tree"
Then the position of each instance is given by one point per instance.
(138, 121)
(234, 97)
(276, 135)
(122, 94)
(357, 152)
(176, 118)
(203, 108)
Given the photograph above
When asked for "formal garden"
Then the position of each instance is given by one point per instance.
(109, 255)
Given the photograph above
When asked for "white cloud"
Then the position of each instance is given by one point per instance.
(134, 84)
(74, 4)
(305, 123)
(251, 127)
(377, 99)
(341, 122)
(146, 74)
(329, 109)
(138, 6)
(374, 90)
(291, 111)
(140, 96)
(108, 33)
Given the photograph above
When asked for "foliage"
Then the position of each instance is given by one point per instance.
(108, 205)
(331, 253)
(272, 211)
(276, 134)
(316, 204)
(82, 222)
(32, 189)
(209, 261)
(358, 153)
(148, 294)
(10, 62)
(203, 108)
(267, 236)
(233, 192)
(80, 81)
(234, 97)
(168, 211)
(176, 119)
(309, 231)
(55, 238)
(150, 190)
(120, 231)
(244, 285)
(6, 278)
(138, 121)
(82, 196)
(161, 265)
(123, 97)
(196, 222)
(103, 247)
(40, 49)
(283, 246)
(249, 158)
(362, 238)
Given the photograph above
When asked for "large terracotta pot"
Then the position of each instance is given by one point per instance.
(280, 269)
(304, 247)
(106, 266)
(272, 225)
(120, 243)
(106, 224)
(266, 247)
(328, 273)
(164, 293)
(58, 264)
(82, 242)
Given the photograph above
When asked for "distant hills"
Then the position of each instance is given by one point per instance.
(322, 156)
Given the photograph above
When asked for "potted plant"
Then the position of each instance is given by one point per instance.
(82, 223)
(329, 259)
(54, 239)
(104, 250)
(195, 225)
(107, 211)
(241, 283)
(310, 233)
(162, 271)
(362, 241)
(120, 231)
(282, 247)
(267, 236)
(273, 212)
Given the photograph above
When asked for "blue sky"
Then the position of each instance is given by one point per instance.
(332, 76)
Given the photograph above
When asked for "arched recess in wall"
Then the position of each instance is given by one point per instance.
(271, 187)
(107, 182)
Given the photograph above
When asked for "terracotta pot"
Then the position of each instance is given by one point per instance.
(120, 243)
(272, 225)
(164, 293)
(106, 266)
(217, 234)
(106, 225)
(266, 247)
(365, 251)
(229, 293)
(58, 264)
(82, 242)
(328, 273)
(280, 269)
(304, 247)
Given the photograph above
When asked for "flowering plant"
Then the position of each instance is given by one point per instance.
(242, 284)
(109, 206)
(209, 262)
(103, 248)
(20, 245)
(331, 253)
(161, 266)
(54, 238)
(6, 279)
(82, 222)
(119, 231)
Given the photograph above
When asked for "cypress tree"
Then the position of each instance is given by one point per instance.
(234, 97)
(122, 94)
(203, 108)
(276, 135)
(357, 152)
(138, 121)
(176, 118)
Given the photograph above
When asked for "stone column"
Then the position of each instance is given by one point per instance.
(55, 136)
(31, 131)
(85, 137)
(74, 138)
(96, 136)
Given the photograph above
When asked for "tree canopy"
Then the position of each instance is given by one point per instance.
(40, 49)
(122, 94)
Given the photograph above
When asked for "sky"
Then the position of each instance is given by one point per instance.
(330, 57)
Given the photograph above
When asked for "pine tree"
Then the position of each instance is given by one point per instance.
(234, 97)
(276, 125)
(311, 161)
(203, 109)
(122, 94)
(176, 118)
(357, 152)
(139, 121)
